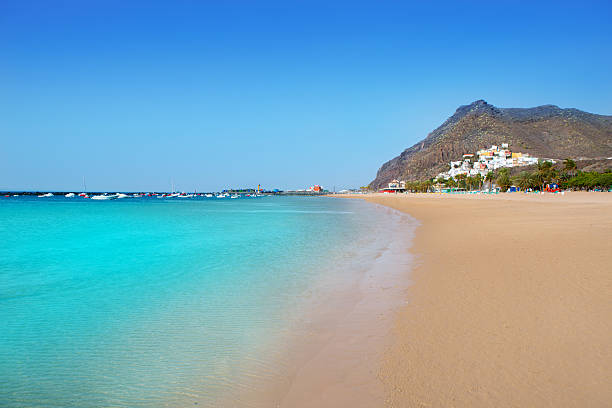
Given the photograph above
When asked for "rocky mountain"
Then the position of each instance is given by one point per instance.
(544, 131)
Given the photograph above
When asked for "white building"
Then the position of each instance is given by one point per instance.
(397, 185)
(486, 160)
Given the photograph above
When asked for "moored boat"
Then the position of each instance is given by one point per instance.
(103, 197)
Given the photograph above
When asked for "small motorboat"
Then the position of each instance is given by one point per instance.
(46, 195)
(103, 197)
(70, 195)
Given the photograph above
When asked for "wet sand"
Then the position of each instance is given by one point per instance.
(511, 304)
(330, 355)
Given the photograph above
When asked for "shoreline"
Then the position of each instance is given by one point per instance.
(510, 304)
(332, 358)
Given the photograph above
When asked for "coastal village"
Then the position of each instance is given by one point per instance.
(486, 160)
(479, 163)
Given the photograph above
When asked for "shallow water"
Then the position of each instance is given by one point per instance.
(149, 302)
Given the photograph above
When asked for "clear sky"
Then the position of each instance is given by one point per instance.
(217, 94)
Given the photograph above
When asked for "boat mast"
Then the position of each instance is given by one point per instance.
(84, 185)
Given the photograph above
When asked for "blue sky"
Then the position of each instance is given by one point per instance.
(213, 94)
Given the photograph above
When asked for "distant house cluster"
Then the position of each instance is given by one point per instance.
(397, 185)
(481, 162)
(486, 160)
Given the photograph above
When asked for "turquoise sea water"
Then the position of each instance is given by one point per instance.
(151, 302)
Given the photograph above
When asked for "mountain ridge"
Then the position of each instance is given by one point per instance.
(546, 131)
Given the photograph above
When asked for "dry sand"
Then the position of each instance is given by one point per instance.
(511, 304)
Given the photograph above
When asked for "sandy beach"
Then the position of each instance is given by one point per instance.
(511, 302)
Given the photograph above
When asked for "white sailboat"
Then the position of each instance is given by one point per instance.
(84, 194)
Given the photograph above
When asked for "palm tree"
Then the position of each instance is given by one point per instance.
(423, 186)
(503, 179)
(461, 180)
(450, 183)
(524, 180)
(428, 185)
(539, 178)
(570, 167)
(469, 182)
(490, 177)
(569, 164)
(546, 173)
(478, 180)
(440, 182)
